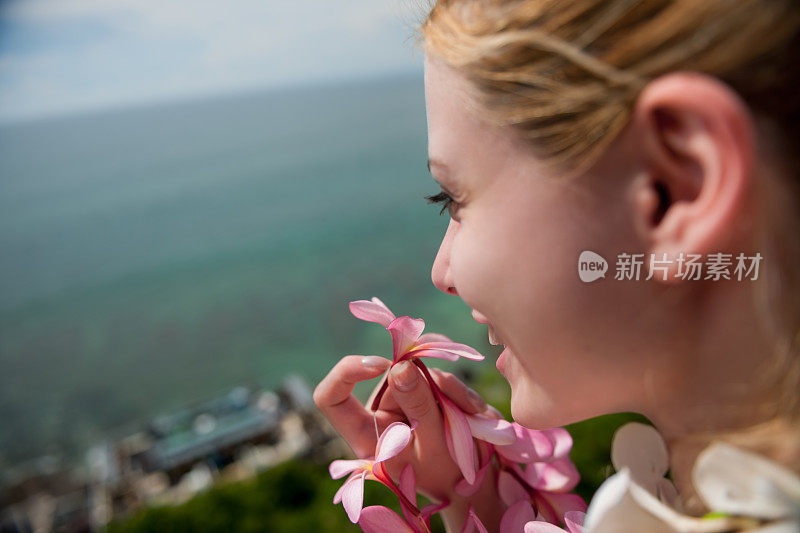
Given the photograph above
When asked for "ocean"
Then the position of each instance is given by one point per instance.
(156, 256)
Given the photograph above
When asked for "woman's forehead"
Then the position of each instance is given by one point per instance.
(453, 130)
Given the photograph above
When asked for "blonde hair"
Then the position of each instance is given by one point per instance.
(565, 74)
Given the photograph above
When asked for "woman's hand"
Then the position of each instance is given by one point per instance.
(408, 398)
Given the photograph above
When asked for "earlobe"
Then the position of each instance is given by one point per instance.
(697, 139)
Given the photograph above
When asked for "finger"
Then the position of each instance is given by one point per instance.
(467, 399)
(334, 398)
(388, 403)
(414, 396)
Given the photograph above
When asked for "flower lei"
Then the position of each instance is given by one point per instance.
(745, 491)
(535, 476)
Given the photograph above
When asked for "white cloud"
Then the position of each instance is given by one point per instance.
(154, 50)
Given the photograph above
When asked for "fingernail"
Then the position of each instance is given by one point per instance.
(475, 400)
(404, 376)
(373, 361)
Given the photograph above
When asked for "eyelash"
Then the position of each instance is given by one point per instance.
(442, 197)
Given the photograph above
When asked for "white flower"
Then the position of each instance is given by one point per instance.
(640, 449)
(732, 481)
(748, 492)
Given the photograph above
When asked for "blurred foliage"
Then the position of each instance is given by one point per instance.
(297, 496)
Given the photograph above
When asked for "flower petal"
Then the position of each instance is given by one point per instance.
(494, 430)
(392, 441)
(353, 496)
(432, 508)
(538, 526)
(516, 516)
(465, 489)
(531, 445)
(405, 331)
(408, 484)
(509, 489)
(733, 481)
(558, 476)
(372, 311)
(667, 493)
(485, 454)
(472, 522)
(380, 519)
(563, 504)
(621, 505)
(574, 521)
(562, 441)
(458, 438)
(433, 337)
(460, 350)
(338, 496)
(341, 467)
(613, 509)
(640, 448)
(438, 354)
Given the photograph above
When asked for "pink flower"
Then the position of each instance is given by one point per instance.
(459, 428)
(409, 344)
(380, 519)
(472, 523)
(392, 441)
(407, 338)
(534, 445)
(543, 486)
(573, 520)
(521, 517)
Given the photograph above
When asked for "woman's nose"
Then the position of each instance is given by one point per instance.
(440, 273)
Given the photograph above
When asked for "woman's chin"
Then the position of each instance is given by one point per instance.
(535, 411)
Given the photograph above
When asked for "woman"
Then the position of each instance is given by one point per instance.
(662, 128)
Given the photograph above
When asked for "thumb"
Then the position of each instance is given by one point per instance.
(413, 394)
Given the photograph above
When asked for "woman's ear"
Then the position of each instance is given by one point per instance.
(696, 136)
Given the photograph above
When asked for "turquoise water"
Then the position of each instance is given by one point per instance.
(154, 257)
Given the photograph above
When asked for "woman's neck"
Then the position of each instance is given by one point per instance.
(727, 394)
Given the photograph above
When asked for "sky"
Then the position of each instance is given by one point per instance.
(68, 56)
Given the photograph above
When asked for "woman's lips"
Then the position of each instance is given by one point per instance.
(501, 361)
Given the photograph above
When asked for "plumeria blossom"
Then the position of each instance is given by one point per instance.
(392, 441)
(744, 491)
(544, 487)
(380, 519)
(521, 517)
(459, 429)
(407, 338)
(485, 453)
(573, 521)
(409, 343)
(739, 483)
(538, 489)
(535, 471)
(473, 523)
(640, 449)
(533, 445)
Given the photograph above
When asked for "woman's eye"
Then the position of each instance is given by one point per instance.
(446, 200)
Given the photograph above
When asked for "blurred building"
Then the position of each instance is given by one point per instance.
(171, 459)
